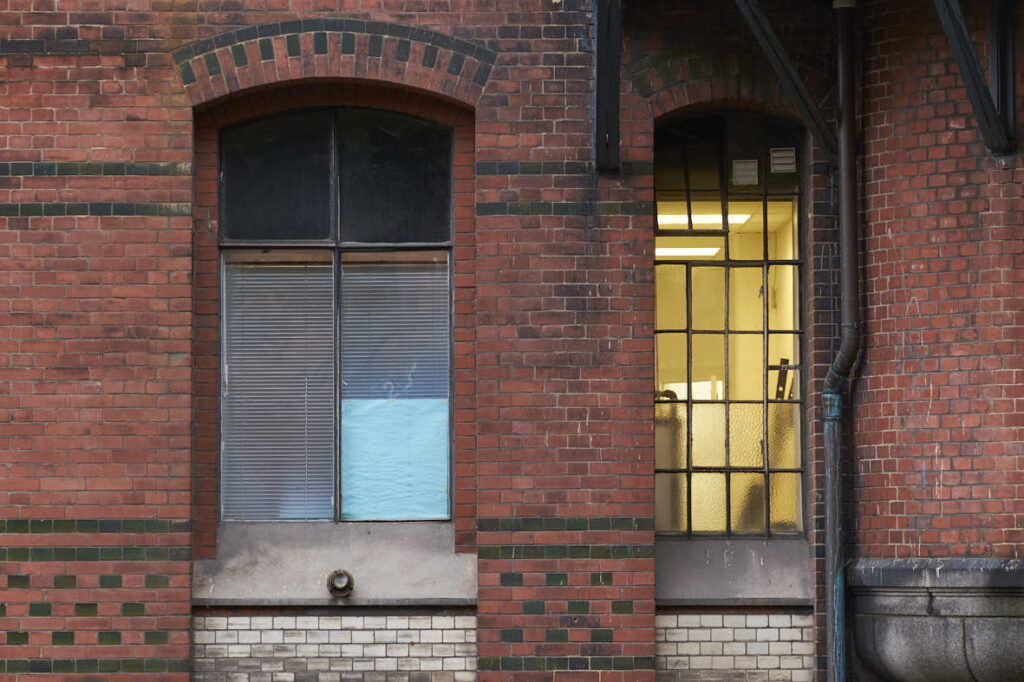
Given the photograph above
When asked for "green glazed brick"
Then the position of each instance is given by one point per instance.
(556, 635)
(40, 609)
(108, 665)
(511, 663)
(134, 554)
(579, 607)
(556, 663)
(65, 582)
(533, 607)
(108, 638)
(511, 579)
(86, 609)
(111, 553)
(155, 581)
(63, 666)
(489, 663)
(601, 578)
(512, 635)
(17, 526)
(110, 581)
(600, 635)
(64, 553)
(156, 665)
(622, 606)
(17, 554)
(133, 665)
(533, 663)
(133, 609)
(86, 665)
(553, 579)
(17, 581)
(17, 638)
(156, 637)
(87, 525)
(87, 554)
(63, 639)
(15, 665)
(42, 554)
(41, 526)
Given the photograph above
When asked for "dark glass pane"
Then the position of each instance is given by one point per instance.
(395, 179)
(277, 177)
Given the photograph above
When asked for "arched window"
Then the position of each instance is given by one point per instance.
(335, 322)
(727, 326)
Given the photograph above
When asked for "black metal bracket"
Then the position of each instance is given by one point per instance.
(609, 38)
(788, 76)
(993, 107)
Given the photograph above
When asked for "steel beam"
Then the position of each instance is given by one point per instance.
(609, 38)
(994, 129)
(788, 76)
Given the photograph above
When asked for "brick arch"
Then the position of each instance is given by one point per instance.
(268, 54)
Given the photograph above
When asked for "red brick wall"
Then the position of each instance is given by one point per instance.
(938, 427)
(95, 351)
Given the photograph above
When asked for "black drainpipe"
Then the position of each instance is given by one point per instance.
(837, 380)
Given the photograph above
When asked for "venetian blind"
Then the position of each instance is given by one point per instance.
(277, 424)
(395, 382)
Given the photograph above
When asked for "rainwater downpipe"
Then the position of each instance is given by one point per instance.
(837, 379)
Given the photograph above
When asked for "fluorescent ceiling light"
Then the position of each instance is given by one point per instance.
(665, 252)
(701, 219)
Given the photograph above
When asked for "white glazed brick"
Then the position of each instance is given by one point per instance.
(764, 647)
(335, 648)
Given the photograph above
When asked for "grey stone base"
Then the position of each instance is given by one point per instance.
(938, 620)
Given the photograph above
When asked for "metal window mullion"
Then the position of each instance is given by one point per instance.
(723, 193)
(335, 232)
(689, 392)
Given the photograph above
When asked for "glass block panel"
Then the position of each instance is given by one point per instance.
(784, 384)
(708, 381)
(782, 232)
(746, 367)
(783, 436)
(670, 502)
(708, 299)
(670, 366)
(688, 248)
(746, 424)
(708, 435)
(708, 506)
(746, 501)
(276, 178)
(670, 296)
(746, 304)
(395, 178)
(783, 349)
(783, 303)
(670, 435)
(786, 503)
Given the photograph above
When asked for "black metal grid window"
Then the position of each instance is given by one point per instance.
(335, 317)
(727, 400)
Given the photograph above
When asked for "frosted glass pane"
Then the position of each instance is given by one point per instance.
(783, 347)
(783, 436)
(670, 436)
(670, 502)
(708, 304)
(783, 384)
(747, 502)
(670, 296)
(783, 308)
(746, 367)
(745, 435)
(708, 503)
(708, 367)
(670, 366)
(709, 435)
(786, 503)
(394, 462)
(746, 305)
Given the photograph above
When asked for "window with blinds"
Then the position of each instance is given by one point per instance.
(336, 349)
